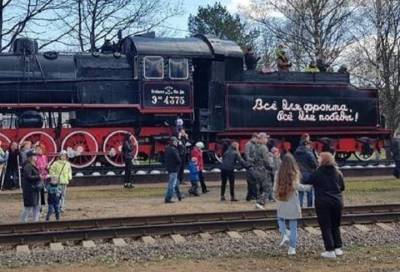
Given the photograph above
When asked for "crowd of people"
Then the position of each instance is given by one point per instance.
(271, 177)
(28, 168)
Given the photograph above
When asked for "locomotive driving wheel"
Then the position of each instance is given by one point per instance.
(44, 139)
(5, 141)
(112, 147)
(81, 147)
(365, 149)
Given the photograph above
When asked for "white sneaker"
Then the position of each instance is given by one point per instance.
(291, 251)
(285, 240)
(338, 251)
(328, 254)
(259, 206)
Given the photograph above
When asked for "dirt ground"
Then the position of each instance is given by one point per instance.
(112, 201)
(360, 259)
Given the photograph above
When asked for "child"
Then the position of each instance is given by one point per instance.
(286, 187)
(53, 199)
(194, 176)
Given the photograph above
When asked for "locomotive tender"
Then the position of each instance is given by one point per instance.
(86, 102)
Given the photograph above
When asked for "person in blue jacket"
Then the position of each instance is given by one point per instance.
(194, 176)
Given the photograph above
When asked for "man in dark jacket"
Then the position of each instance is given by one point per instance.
(249, 153)
(308, 164)
(127, 154)
(30, 189)
(229, 159)
(263, 169)
(395, 148)
(172, 162)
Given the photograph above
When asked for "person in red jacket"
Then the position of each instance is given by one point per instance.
(198, 154)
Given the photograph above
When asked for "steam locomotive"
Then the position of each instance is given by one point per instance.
(85, 103)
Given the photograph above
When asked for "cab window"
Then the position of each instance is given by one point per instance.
(153, 67)
(178, 68)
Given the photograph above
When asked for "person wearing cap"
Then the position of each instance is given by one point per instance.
(62, 172)
(249, 155)
(263, 169)
(282, 61)
(307, 163)
(31, 187)
(172, 162)
(197, 152)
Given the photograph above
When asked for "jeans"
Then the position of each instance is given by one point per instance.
(63, 196)
(292, 227)
(173, 187)
(53, 208)
(202, 183)
(310, 198)
(225, 176)
(33, 211)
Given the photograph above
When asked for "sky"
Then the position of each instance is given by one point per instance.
(191, 6)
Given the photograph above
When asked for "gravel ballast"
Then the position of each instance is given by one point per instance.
(194, 248)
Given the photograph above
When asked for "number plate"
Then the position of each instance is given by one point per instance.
(166, 95)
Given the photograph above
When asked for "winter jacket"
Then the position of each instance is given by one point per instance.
(61, 170)
(198, 154)
(12, 163)
(263, 159)
(194, 171)
(249, 151)
(305, 159)
(172, 160)
(53, 194)
(30, 181)
(230, 158)
(290, 209)
(395, 148)
(42, 164)
(127, 150)
(328, 185)
(3, 156)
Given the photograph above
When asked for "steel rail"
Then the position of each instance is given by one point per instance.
(174, 218)
(182, 228)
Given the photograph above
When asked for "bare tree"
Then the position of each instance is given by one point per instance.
(379, 54)
(319, 28)
(18, 17)
(89, 22)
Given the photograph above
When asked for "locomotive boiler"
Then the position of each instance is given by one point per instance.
(86, 102)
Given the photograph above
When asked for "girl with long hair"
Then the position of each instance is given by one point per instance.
(286, 187)
(328, 184)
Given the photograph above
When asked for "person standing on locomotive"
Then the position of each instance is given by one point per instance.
(197, 152)
(127, 153)
(263, 168)
(282, 61)
(250, 59)
(307, 163)
(249, 154)
(172, 162)
(395, 148)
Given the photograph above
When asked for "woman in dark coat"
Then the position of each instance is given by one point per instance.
(31, 189)
(329, 185)
(12, 175)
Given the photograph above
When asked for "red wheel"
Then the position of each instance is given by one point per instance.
(5, 141)
(41, 137)
(112, 147)
(81, 147)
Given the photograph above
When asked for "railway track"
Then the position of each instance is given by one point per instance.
(149, 175)
(108, 228)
